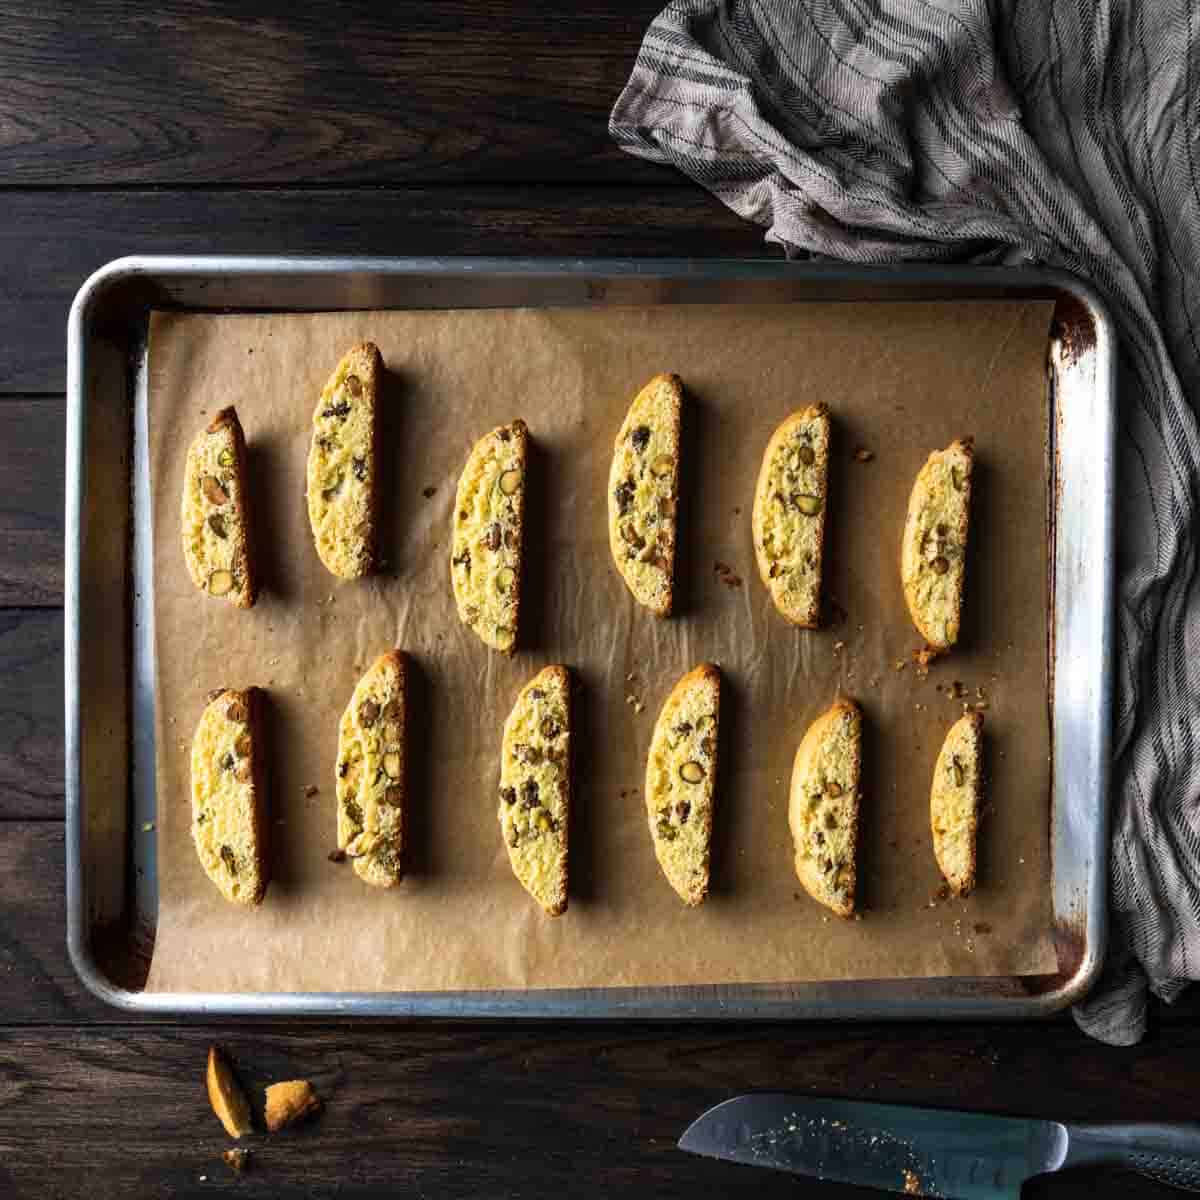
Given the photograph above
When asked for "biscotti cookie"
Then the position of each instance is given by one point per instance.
(535, 787)
(229, 795)
(824, 804)
(217, 544)
(370, 788)
(933, 554)
(789, 514)
(343, 465)
(488, 536)
(643, 493)
(681, 774)
(955, 800)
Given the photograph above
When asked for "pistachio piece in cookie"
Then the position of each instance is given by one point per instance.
(823, 808)
(955, 800)
(643, 493)
(371, 769)
(343, 465)
(933, 552)
(215, 513)
(535, 787)
(790, 502)
(681, 772)
(229, 795)
(487, 537)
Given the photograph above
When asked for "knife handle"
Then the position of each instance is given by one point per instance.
(1168, 1153)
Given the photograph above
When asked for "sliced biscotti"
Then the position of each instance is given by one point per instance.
(486, 543)
(215, 513)
(343, 465)
(229, 795)
(955, 800)
(371, 759)
(681, 773)
(823, 808)
(789, 514)
(643, 493)
(535, 787)
(933, 553)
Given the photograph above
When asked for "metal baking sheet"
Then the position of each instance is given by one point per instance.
(111, 881)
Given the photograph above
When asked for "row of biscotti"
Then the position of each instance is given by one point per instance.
(229, 793)
(789, 516)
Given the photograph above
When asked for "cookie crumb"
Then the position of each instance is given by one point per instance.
(727, 575)
(238, 1160)
(312, 790)
(429, 492)
(899, 664)
(838, 647)
(862, 454)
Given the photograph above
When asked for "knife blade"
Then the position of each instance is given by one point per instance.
(919, 1151)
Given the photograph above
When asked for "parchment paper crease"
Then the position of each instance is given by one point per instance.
(901, 379)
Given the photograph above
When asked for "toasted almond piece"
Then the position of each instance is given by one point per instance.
(226, 1097)
(823, 807)
(680, 776)
(289, 1102)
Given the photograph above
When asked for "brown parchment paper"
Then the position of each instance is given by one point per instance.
(901, 379)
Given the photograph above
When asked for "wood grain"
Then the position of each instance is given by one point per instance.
(69, 234)
(37, 981)
(185, 92)
(471, 1112)
(31, 507)
(31, 714)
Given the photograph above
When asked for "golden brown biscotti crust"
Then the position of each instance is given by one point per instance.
(681, 774)
(536, 787)
(643, 493)
(217, 523)
(934, 545)
(345, 522)
(824, 807)
(788, 522)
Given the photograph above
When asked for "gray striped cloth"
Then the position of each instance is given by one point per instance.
(1020, 131)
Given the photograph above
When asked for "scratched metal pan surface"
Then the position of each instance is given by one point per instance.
(111, 880)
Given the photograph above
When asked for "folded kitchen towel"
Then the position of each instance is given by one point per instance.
(878, 131)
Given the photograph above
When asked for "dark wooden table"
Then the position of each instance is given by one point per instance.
(459, 126)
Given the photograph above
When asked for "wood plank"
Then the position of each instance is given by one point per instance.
(32, 435)
(116, 92)
(31, 714)
(51, 241)
(535, 1112)
(37, 981)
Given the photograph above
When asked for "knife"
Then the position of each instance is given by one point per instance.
(929, 1151)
